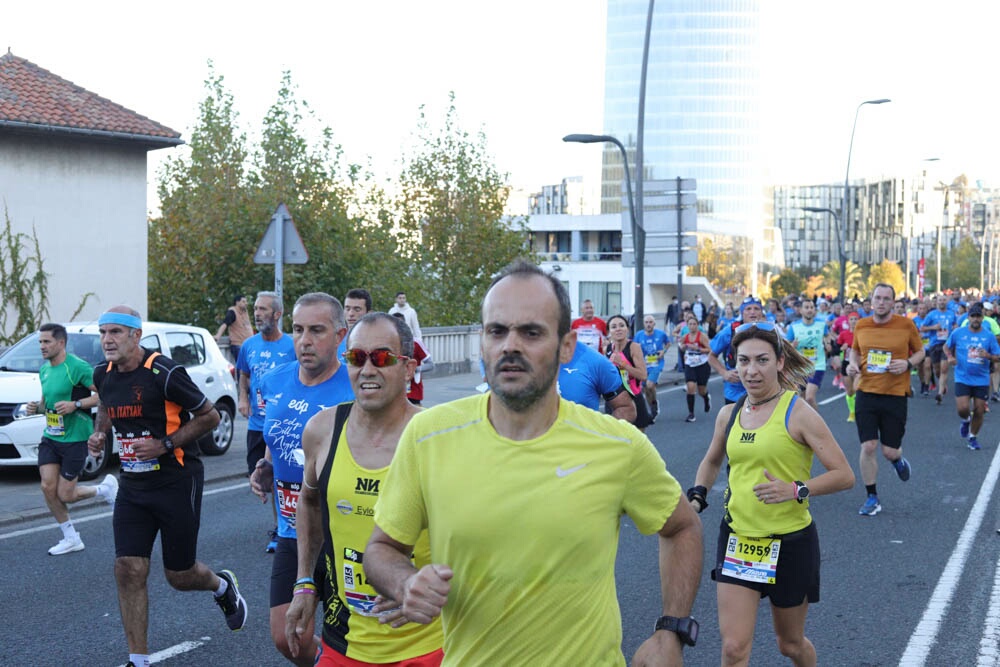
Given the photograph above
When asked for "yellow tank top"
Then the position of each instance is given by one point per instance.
(750, 452)
(349, 626)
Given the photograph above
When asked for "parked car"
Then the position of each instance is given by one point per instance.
(192, 347)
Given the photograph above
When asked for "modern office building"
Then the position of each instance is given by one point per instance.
(702, 105)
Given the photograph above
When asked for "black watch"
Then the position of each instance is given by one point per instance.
(685, 628)
(801, 492)
(168, 443)
(78, 405)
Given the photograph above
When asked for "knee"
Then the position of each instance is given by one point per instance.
(868, 447)
(131, 572)
(50, 488)
(180, 580)
(67, 493)
(278, 638)
(735, 652)
(791, 648)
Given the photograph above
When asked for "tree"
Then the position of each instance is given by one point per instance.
(451, 220)
(787, 282)
(959, 267)
(855, 283)
(887, 272)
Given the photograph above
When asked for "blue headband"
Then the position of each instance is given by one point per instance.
(120, 318)
(750, 301)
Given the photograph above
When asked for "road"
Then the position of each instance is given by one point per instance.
(916, 585)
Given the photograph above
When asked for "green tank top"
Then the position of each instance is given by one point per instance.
(750, 452)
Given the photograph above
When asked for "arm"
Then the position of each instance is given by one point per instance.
(680, 573)
(244, 402)
(66, 407)
(205, 419)
(102, 424)
(711, 463)
(621, 406)
(638, 368)
(729, 375)
(423, 593)
(300, 618)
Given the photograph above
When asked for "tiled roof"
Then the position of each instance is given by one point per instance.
(32, 96)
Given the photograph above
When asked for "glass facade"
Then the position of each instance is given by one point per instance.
(702, 105)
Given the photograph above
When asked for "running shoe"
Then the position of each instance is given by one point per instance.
(996, 397)
(708, 402)
(871, 506)
(937, 398)
(850, 416)
(108, 489)
(974, 444)
(963, 429)
(231, 602)
(67, 545)
(690, 418)
(902, 467)
(654, 409)
(272, 544)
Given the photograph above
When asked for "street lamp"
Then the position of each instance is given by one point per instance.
(638, 233)
(845, 212)
(841, 250)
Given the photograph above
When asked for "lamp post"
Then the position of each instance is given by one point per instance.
(841, 251)
(638, 233)
(844, 211)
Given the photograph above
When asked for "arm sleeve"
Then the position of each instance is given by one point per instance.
(400, 510)
(230, 317)
(608, 378)
(180, 389)
(242, 363)
(651, 492)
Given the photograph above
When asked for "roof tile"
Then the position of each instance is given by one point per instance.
(33, 95)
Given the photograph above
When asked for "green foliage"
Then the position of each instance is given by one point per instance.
(724, 260)
(439, 236)
(787, 282)
(959, 267)
(887, 272)
(830, 279)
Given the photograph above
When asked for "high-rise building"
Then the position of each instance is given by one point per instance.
(702, 106)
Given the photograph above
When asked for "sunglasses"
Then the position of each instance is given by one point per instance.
(763, 326)
(379, 358)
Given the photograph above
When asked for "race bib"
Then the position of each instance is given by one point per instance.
(752, 558)
(652, 359)
(809, 353)
(589, 337)
(54, 424)
(972, 355)
(130, 462)
(261, 404)
(694, 359)
(358, 592)
(879, 360)
(942, 334)
(288, 499)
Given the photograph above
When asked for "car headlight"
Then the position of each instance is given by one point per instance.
(21, 411)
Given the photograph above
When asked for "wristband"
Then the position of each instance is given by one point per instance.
(304, 591)
(697, 494)
(305, 580)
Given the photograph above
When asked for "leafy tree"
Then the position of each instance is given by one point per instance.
(959, 267)
(855, 283)
(451, 220)
(787, 282)
(887, 272)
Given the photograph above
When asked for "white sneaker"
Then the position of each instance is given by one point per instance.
(108, 489)
(67, 545)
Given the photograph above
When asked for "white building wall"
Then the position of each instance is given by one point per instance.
(87, 203)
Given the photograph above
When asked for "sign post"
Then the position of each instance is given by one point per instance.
(280, 245)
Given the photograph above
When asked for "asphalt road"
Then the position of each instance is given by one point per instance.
(916, 585)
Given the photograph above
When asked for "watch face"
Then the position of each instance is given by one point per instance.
(803, 492)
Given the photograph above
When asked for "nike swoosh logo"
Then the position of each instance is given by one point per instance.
(571, 370)
(561, 472)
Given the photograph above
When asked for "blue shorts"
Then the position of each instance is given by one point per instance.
(982, 392)
(816, 378)
(653, 373)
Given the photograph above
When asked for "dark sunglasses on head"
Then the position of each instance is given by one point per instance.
(763, 326)
(379, 358)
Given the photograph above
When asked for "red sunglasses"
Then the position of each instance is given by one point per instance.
(379, 358)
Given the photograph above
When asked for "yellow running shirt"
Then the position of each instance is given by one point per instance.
(530, 528)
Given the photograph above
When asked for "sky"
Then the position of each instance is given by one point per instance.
(529, 72)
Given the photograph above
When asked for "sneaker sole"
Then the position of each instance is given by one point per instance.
(878, 508)
(234, 582)
(78, 547)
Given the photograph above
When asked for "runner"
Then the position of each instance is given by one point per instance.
(654, 343)
(696, 347)
(971, 349)
(845, 341)
(751, 310)
(939, 322)
(807, 334)
(924, 369)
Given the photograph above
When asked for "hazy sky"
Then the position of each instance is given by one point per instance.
(530, 72)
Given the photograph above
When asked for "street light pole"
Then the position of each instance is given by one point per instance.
(840, 230)
(637, 230)
(844, 211)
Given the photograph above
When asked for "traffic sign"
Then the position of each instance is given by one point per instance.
(659, 257)
(293, 252)
(658, 242)
(663, 220)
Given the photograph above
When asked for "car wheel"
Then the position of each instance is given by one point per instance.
(94, 467)
(218, 441)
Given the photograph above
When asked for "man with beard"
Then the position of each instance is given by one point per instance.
(268, 349)
(539, 589)
(970, 350)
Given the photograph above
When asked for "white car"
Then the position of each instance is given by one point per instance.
(192, 347)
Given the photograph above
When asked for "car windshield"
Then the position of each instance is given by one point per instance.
(26, 357)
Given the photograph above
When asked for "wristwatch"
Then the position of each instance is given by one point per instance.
(801, 492)
(168, 443)
(909, 365)
(685, 628)
(78, 404)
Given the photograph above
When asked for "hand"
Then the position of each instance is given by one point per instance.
(148, 449)
(663, 649)
(31, 408)
(732, 376)
(390, 612)
(244, 407)
(64, 407)
(899, 366)
(300, 621)
(774, 490)
(95, 443)
(426, 592)
(852, 369)
(262, 479)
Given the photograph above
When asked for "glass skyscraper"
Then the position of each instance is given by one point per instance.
(702, 105)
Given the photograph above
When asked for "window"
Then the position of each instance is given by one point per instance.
(151, 343)
(187, 349)
(607, 297)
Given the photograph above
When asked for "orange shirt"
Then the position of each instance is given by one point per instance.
(876, 343)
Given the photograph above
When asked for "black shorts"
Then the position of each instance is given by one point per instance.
(284, 572)
(938, 355)
(71, 456)
(797, 574)
(843, 366)
(881, 417)
(172, 510)
(975, 391)
(697, 374)
(255, 449)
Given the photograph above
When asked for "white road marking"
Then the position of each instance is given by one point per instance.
(833, 398)
(988, 646)
(925, 635)
(107, 513)
(175, 650)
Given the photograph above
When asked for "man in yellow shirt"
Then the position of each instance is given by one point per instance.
(522, 496)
